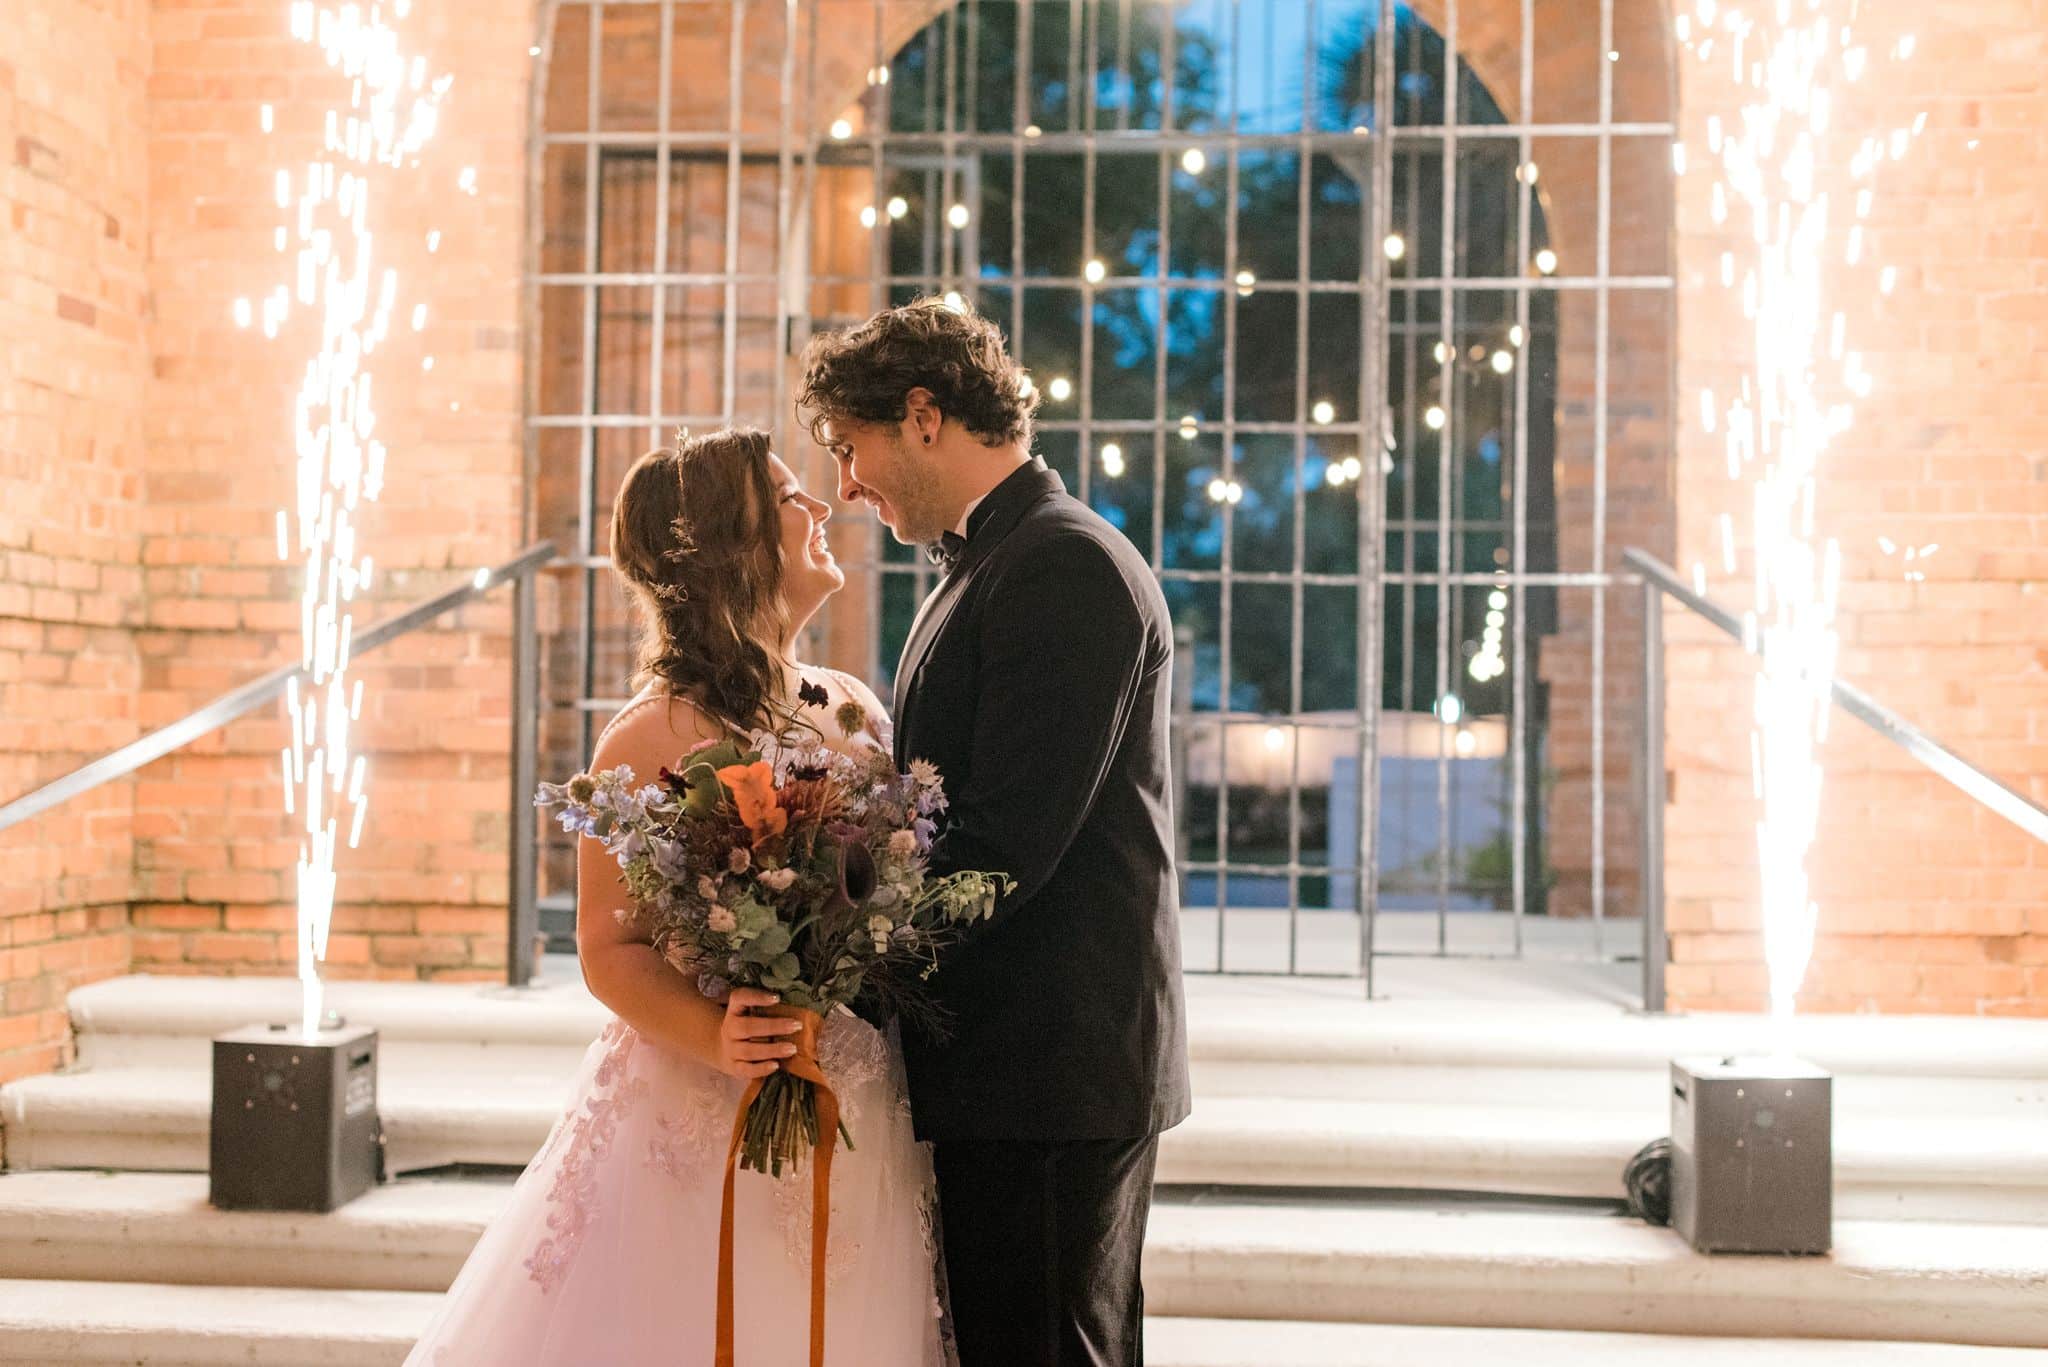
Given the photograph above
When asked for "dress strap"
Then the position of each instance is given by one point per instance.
(628, 710)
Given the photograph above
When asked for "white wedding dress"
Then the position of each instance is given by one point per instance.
(606, 1254)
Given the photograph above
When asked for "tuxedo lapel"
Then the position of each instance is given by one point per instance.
(1004, 507)
(931, 618)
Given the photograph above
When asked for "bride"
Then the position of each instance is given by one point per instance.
(606, 1252)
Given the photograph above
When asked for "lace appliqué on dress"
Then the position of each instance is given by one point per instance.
(688, 1141)
(855, 1058)
(588, 1138)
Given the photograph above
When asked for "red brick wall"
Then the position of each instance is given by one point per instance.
(214, 857)
(143, 453)
(1927, 902)
(74, 231)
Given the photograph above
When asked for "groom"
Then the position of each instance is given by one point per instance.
(1037, 677)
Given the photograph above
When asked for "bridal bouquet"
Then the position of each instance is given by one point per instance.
(779, 863)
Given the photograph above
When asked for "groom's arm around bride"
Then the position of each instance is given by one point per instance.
(1038, 679)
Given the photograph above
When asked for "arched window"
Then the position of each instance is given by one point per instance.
(1344, 312)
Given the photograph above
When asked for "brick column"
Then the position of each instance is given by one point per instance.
(74, 369)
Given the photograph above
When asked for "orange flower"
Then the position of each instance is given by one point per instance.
(753, 792)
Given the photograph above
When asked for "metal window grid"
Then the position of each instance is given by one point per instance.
(946, 151)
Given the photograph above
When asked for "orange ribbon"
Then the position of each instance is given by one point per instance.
(803, 1064)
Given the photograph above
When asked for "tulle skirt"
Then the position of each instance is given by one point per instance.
(607, 1251)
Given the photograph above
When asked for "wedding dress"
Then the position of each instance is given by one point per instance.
(606, 1255)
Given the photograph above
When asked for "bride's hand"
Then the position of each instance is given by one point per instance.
(752, 1046)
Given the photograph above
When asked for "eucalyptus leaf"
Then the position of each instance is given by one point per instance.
(767, 947)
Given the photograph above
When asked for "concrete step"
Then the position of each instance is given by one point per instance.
(1581, 1271)
(158, 1119)
(1294, 1343)
(1459, 1264)
(1308, 1038)
(409, 1235)
(499, 1111)
(1920, 1167)
(183, 1326)
(1247, 1037)
(48, 1322)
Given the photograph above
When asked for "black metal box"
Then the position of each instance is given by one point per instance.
(1752, 1166)
(294, 1118)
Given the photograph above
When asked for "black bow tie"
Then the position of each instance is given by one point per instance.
(946, 551)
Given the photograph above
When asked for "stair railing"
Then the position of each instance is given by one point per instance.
(1661, 581)
(523, 923)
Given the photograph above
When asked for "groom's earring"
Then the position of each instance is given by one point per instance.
(927, 441)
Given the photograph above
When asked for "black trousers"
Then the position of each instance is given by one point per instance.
(1042, 1244)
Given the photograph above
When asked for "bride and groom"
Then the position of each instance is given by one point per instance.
(994, 1209)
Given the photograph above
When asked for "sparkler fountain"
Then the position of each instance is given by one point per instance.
(294, 1115)
(390, 115)
(1751, 1165)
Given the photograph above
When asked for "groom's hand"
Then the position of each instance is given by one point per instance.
(752, 1046)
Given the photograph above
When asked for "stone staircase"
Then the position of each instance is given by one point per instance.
(1400, 1182)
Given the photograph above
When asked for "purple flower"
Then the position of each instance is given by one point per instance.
(926, 828)
(670, 860)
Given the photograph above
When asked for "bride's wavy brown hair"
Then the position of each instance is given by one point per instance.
(696, 542)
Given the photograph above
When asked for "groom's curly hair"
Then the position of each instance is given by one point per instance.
(864, 373)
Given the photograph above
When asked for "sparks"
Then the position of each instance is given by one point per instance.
(391, 113)
(1772, 163)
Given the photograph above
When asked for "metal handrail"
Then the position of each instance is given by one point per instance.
(1660, 580)
(238, 702)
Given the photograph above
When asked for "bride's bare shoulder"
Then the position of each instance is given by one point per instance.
(654, 729)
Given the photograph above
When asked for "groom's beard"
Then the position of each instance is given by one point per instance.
(917, 500)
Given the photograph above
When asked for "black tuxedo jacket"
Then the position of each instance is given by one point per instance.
(1038, 677)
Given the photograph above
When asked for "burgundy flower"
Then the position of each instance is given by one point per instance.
(854, 866)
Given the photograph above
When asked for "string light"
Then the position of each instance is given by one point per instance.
(1194, 161)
